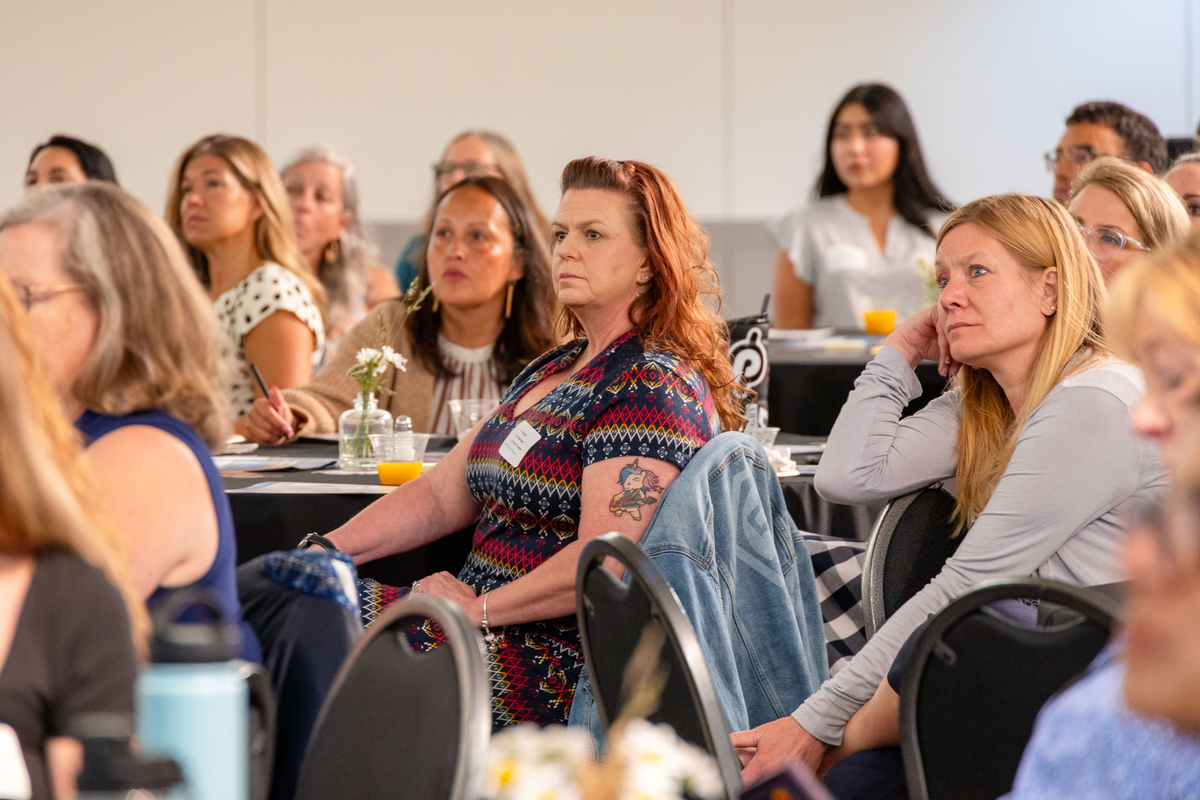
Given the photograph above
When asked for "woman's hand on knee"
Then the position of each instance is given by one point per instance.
(448, 587)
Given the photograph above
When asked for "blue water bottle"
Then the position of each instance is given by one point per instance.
(200, 705)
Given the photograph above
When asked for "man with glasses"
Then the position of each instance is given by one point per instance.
(1104, 128)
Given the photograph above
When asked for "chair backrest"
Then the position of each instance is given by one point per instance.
(612, 615)
(402, 724)
(306, 632)
(976, 680)
(910, 543)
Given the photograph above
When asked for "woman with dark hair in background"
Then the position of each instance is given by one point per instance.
(867, 241)
(487, 318)
(472, 154)
(62, 159)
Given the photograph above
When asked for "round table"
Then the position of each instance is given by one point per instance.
(809, 386)
(268, 522)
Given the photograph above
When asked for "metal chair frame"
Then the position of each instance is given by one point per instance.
(475, 714)
(1098, 608)
(875, 560)
(680, 636)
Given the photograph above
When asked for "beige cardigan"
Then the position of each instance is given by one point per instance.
(318, 404)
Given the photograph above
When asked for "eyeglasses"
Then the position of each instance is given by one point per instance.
(1080, 155)
(32, 295)
(1106, 242)
(472, 169)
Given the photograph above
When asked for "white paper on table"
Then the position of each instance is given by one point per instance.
(14, 775)
(806, 449)
(304, 487)
(268, 463)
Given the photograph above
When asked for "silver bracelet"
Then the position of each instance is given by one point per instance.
(492, 640)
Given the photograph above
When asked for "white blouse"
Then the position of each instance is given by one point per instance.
(833, 249)
(473, 378)
(268, 289)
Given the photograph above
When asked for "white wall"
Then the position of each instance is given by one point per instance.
(729, 96)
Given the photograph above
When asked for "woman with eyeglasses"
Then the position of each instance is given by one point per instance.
(132, 347)
(1131, 726)
(1123, 211)
(472, 154)
(1184, 178)
(866, 242)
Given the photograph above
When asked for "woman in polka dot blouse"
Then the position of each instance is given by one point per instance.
(229, 208)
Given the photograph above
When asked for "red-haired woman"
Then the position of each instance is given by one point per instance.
(644, 384)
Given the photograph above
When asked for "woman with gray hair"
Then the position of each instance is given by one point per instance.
(323, 193)
(132, 347)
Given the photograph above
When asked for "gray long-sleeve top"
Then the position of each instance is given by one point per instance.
(1057, 512)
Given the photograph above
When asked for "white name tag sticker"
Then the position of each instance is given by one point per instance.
(518, 443)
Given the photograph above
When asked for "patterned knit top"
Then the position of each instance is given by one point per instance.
(625, 402)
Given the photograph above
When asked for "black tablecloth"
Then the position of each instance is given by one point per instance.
(268, 522)
(808, 389)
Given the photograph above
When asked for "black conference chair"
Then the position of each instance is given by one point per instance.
(401, 724)
(305, 640)
(911, 541)
(612, 616)
(976, 680)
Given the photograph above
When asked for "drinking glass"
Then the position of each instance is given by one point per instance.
(404, 456)
(879, 321)
(466, 414)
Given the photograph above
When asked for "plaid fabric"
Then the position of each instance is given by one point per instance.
(838, 565)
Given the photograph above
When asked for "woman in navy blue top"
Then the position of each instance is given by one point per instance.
(132, 347)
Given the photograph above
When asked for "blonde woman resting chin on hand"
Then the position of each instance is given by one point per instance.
(1036, 433)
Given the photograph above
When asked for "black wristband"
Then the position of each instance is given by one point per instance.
(316, 538)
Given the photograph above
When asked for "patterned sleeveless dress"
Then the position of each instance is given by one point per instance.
(626, 402)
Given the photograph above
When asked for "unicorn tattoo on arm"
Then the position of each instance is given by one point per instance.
(636, 485)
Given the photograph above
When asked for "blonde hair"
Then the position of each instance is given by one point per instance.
(1165, 283)
(46, 488)
(1154, 205)
(157, 341)
(1040, 235)
(274, 231)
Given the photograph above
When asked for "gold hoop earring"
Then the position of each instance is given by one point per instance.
(436, 304)
(508, 301)
(333, 251)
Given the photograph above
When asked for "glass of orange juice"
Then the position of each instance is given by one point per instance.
(403, 458)
(880, 321)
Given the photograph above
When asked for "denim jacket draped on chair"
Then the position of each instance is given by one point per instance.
(723, 539)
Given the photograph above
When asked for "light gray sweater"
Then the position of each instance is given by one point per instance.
(1058, 511)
